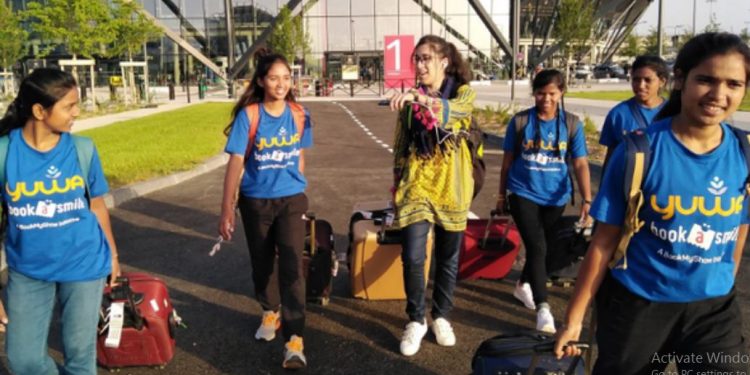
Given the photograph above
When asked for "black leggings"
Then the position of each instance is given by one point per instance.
(275, 234)
(638, 336)
(537, 225)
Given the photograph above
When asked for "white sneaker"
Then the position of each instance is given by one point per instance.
(544, 321)
(443, 332)
(412, 338)
(294, 358)
(268, 325)
(523, 293)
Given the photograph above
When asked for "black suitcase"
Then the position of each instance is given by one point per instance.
(526, 353)
(320, 262)
(571, 244)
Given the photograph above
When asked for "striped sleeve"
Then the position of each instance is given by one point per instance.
(452, 111)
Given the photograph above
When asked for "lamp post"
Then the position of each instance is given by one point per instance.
(659, 27)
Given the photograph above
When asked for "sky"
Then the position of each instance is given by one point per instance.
(677, 17)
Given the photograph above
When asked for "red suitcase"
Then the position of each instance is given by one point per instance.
(149, 323)
(489, 248)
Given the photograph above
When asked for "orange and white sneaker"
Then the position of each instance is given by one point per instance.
(294, 358)
(269, 324)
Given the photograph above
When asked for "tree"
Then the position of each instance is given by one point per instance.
(132, 30)
(652, 39)
(84, 27)
(289, 37)
(12, 38)
(745, 35)
(573, 27)
(632, 46)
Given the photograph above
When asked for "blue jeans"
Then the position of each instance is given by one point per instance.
(447, 246)
(30, 306)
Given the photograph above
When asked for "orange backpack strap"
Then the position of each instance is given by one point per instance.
(253, 116)
(298, 112)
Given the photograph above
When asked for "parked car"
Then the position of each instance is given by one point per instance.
(582, 71)
(609, 71)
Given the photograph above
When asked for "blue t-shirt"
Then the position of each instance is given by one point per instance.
(621, 120)
(272, 169)
(541, 175)
(693, 207)
(52, 233)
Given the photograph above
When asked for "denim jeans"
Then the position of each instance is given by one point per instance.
(30, 306)
(413, 255)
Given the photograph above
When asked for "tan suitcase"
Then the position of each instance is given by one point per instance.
(375, 265)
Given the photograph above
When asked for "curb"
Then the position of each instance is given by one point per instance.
(138, 189)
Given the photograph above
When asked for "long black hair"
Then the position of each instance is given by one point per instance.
(541, 80)
(693, 53)
(255, 93)
(44, 86)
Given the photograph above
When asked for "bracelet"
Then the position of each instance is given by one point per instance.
(586, 201)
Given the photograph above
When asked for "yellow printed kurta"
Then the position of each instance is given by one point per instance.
(439, 188)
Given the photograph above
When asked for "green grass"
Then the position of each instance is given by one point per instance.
(160, 144)
(622, 95)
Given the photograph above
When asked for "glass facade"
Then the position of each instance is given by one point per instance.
(358, 27)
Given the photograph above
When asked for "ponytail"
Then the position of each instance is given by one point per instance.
(12, 118)
(458, 69)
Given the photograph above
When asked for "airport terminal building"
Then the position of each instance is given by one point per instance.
(354, 32)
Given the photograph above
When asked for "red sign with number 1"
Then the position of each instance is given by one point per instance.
(398, 67)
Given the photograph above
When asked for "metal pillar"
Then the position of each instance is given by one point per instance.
(230, 45)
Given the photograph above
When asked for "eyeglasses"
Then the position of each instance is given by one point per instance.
(425, 59)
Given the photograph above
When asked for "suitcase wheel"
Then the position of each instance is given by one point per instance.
(565, 283)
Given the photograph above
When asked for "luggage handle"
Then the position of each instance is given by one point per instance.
(313, 240)
(493, 214)
(548, 347)
(384, 222)
(116, 293)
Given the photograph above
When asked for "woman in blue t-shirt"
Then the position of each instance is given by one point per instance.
(670, 296)
(58, 239)
(535, 182)
(267, 160)
(647, 79)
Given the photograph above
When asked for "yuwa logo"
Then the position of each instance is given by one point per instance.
(277, 142)
(542, 145)
(44, 188)
(702, 205)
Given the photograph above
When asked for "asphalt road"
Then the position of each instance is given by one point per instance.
(169, 234)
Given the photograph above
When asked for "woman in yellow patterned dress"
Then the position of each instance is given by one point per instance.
(433, 182)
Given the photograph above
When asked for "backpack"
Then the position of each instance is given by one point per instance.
(253, 114)
(637, 165)
(638, 115)
(475, 141)
(522, 119)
